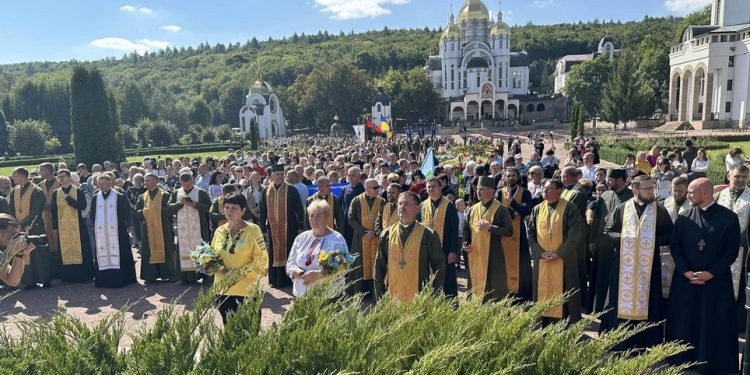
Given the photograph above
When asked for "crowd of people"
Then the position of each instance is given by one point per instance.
(645, 242)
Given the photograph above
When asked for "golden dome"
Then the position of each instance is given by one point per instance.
(473, 9)
(452, 30)
(500, 27)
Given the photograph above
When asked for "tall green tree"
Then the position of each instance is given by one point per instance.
(653, 66)
(586, 81)
(231, 100)
(133, 105)
(574, 120)
(626, 96)
(412, 93)
(94, 133)
(32, 137)
(200, 112)
(3, 134)
(254, 135)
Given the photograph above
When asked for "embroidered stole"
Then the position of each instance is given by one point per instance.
(549, 235)
(188, 229)
(68, 228)
(152, 214)
(47, 215)
(277, 206)
(367, 220)
(742, 208)
(512, 244)
(106, 232)
(22, 208)
(479, 257)
(390, 215)
(329, 200)
(637, 244)
(665, 254)
(435, 220)
(403, 283)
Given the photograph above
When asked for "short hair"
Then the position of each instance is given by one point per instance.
(434, 179)
(7, 221)
(536, 169)
(105, 176)
(679, 180)
(63, 171)
(319, 205)
(184, 177)
(512, 169)
(741, 168)
(47, 166)
(412, 195)
(556, 182)
(323, 179)
(570, 171)
(22, 171)
(81, 165)
(228, 188)
(237, 199)
(638, 180)
(396, 186)
(150, 174)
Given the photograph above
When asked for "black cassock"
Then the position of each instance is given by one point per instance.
(653, 335)
(702, 315)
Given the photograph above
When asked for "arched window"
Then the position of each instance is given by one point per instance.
(530, 108)
(379, 108)
(540, 107)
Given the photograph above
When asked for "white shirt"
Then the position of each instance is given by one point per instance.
(699, 165)
(729, 161)
(589, 173)
(304, 257)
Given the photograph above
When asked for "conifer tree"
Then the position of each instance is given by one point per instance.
(3, 134)
(626, 96)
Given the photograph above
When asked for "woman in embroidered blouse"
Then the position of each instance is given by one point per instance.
(302, 265)
(240, 245)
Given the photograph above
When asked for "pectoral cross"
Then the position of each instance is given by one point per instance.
(701, 245)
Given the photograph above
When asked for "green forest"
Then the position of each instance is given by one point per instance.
(193, 91)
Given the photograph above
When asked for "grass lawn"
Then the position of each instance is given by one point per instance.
(5, 171)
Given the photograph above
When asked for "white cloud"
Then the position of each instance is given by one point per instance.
(132, 9)
(172, 28)
(544, 3)
(354, 9)
(684, 6)
(121, 44)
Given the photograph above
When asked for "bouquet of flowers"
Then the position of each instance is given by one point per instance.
(207, 258)
(336, 260)
(9, 255)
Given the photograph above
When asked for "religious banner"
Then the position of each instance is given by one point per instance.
(335, 189)
(359, 131)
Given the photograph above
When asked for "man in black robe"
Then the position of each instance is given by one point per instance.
(518, 201)
(602, 245)
(643, 202)
(576, 194)
(121, 273)
(705, 243)
(81, 269)
(447, 231)
(336, 222)
(348, 193)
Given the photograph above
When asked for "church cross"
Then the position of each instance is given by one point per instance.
(701, 245)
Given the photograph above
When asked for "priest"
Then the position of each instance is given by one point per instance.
(363, 211)
(389, 215)
(75, 256)
(516, 247)
(281, 220)
(575, 193)
(348, 193)
(336, 220)
(676, 204)
(115, 267)
(191, 205)
(602, 245)
(439, 214)
(408, 253)
(737, 199)
(48, 183)
(555, 231)
(26, 203)
(637, 228)
(487, 222)
(705, 243)
(154, 215)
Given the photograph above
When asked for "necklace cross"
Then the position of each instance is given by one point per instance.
(701, 245)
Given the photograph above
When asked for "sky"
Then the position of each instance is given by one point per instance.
(61, 30)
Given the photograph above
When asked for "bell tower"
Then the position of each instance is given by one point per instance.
(726, 13)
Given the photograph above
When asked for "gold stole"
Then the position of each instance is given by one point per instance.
(549, 234)
(512, 244)
(152, 214)
(388, 216)
(68, 229)
(637, 244)
(369, 248)
(435, 220)
(329, 199)
(277, 218)
(221, 210)
(22, 206)
(403, 263)
(47, 215)
(479, 257)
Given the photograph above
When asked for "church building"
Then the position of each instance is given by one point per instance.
(475, 74)
(709, 84)
(262, 104)
(565, 63)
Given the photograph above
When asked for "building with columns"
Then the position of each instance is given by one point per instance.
(475, 74)
(709, 83)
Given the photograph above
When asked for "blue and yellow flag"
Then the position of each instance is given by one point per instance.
(428, 166)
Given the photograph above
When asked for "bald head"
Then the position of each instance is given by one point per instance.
(700, 192)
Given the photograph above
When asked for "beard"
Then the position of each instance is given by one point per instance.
(646, 200)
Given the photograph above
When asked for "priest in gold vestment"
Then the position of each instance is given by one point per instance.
(75, 256)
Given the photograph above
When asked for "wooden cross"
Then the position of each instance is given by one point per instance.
(701, 245)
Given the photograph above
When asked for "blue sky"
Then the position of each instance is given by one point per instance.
(36, 30)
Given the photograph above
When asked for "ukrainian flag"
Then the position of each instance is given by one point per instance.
(384, 125)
